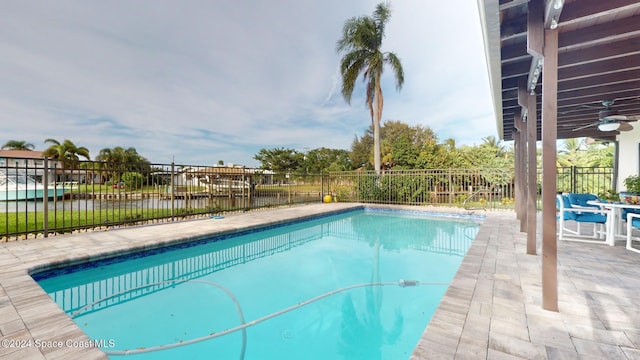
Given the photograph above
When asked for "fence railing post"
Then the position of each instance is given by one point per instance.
(45, 199)
(173, 190)
(450, 187)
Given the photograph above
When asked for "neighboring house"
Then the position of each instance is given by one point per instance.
(31, 162)
(21, 158)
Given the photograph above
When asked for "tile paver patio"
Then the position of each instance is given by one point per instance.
(492, 308)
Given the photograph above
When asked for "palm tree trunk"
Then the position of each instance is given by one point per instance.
(376, 146)
(377, 112)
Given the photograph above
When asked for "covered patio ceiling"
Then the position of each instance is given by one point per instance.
(598, 61)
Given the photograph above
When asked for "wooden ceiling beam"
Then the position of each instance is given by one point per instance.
(602, 89)
(585, 9)
(597, 97)
(599, 79)
(600, 67)
(514, 52)
(600, 33)
(602, 51)
(520, 68)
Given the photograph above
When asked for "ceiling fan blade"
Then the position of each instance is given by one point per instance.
(578, 108)
(586, 126)
(612, 118)
(615, 118)
(625, 126)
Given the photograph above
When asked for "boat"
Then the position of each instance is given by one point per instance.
(221, 184)
(17, 185)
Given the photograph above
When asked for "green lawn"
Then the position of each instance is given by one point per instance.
(64, 221)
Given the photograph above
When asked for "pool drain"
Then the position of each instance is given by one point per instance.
(287, 334)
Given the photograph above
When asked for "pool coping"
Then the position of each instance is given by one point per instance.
(34, 327)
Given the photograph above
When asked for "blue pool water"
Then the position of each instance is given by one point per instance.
(134, 302)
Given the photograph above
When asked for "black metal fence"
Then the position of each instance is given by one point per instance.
(593, 180)
(486, 188)
(42, 197)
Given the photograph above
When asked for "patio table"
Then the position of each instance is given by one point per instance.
(614, 221)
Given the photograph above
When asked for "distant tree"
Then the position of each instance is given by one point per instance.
(402, 144)
(449, 143)
(280, 160)
(17, 145)
(120, 155)
(119, 160)
(361, 42)
(361, 154)
(433, 156)
(324, 159)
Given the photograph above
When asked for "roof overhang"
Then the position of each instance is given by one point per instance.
(598, 61)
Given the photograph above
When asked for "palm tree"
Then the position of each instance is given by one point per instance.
(66, 151)
(118, 160)
(17, 145)
(599, 155)
(119, 154)
(571, 152)
(361, 42)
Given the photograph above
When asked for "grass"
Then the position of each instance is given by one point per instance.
(65, 221)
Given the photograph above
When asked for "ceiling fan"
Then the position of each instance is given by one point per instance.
(610, 120)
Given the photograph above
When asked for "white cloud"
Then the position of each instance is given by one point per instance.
(200, 81)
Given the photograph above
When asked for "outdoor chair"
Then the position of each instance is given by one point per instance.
(626, 211)
(579, 215)
(580, 200)
(633, 221)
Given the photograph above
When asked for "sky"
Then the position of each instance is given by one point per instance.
(196, 81)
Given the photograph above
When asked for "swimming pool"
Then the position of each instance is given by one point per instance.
(254, 274)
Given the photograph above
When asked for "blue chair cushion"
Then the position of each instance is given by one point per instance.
(636, 222)
(591, 217)
(581, 199)
(626, 211)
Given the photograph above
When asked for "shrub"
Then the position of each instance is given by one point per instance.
(132, 180)
(632, 184)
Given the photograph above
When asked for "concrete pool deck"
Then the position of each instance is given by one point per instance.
(492, 308)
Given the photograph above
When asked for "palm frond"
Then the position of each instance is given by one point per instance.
(393, 60)
(370, 89)
(358, 33)
(350, 67)
(381, 16)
